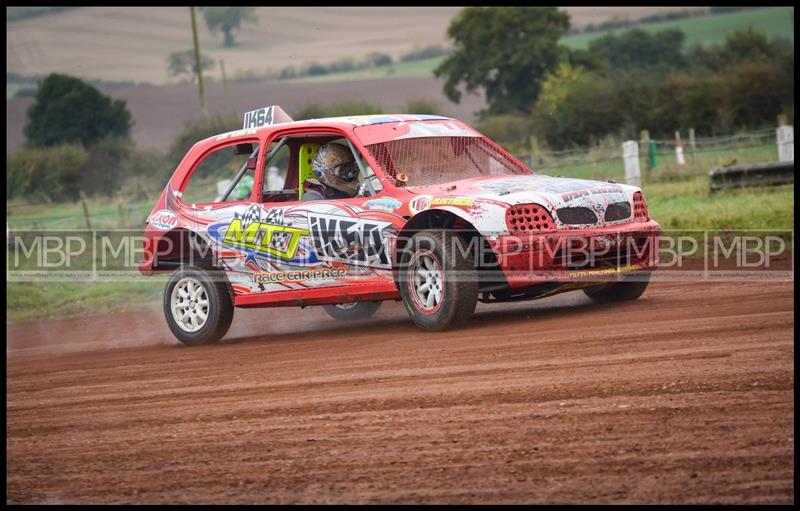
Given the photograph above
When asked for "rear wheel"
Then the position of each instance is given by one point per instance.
(627, 289)
(352, 311)
(438, 283)
(197, 305)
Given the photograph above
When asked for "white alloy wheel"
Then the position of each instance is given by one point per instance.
(189, 303)
(428, 285)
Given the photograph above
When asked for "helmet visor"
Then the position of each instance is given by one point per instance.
(346, 171)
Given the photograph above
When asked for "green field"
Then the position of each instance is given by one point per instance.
(103, 213)
(28, 301)
(414, 69)
(774, 21)
(666, 168)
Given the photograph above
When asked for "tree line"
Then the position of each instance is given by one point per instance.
(621, 84)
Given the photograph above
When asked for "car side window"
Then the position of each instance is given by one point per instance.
(218, 170)
(277, 168)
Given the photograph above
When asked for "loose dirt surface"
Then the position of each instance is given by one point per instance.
(683, 396)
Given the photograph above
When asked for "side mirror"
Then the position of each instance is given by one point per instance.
(246, 148)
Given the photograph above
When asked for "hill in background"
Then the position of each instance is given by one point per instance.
(132, 43)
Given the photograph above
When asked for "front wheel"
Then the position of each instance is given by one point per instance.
(352, 311)
(627, 289)
(197, 305)
(437, 281)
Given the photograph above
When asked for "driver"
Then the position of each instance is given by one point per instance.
(336, 172)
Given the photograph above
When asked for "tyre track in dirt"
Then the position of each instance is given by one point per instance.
(684, 396)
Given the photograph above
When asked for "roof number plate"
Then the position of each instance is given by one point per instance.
(265, 117)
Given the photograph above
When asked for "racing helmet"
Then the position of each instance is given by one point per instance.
(336, 160)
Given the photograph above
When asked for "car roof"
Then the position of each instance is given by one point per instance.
(351, 120)
(361, 120)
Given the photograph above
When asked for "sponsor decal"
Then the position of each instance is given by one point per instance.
(604, 271)
(163, 220)
(605, 189)
(261, 233)
(387, 204)
(350, 240)
(457, 201)
(264, 278)
(277, 240)
(420, 203)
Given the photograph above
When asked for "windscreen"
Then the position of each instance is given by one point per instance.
(437, 160)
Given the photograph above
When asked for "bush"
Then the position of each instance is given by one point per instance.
(25, 92)
(428, 52)
(341, 109)
(61, 173)
(637, 48)
(68, 110)
(507, 130)
(587, 111)
(376, 59)
(288, 72)
(757, 92)
(195, 131)
(422, 106)
(343, 65)
(52, 173)
(743, 85)
(104, 169)
(315, 69)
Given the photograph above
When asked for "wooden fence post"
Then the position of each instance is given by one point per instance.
(679, 149)
(121, 212)
(534, 151)
(86, 212)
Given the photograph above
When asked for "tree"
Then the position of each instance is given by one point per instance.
(639, 49)
(227, 19)
(183, 62)
(746, 45)
(507, 51)
(68, 110)
(577, 108)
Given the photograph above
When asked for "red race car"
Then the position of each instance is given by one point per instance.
(347, 212)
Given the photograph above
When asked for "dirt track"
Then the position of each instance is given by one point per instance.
(684, 396)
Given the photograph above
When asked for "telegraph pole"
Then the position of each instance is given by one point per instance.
(197, 63)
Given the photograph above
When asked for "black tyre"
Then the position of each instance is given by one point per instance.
(627, 289)
(438, 283)
(352, 311)
(197, 305)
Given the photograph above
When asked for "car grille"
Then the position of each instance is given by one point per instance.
(618, 211)
(576, 216)
(528, 218)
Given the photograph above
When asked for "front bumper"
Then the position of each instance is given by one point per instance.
(602, 253)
